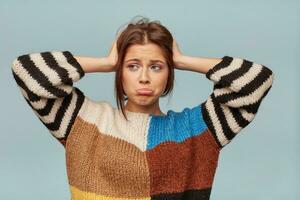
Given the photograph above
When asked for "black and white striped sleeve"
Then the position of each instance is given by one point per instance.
(46, 82)
(239, 87)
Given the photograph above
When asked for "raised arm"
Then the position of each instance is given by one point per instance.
(46, 79)
(239, 88)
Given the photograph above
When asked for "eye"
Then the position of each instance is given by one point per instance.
(131, 66)
(157, 67)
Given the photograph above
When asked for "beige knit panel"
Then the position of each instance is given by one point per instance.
(103, 164)
(109, 121)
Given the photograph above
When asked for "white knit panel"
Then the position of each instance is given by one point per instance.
(110, 122)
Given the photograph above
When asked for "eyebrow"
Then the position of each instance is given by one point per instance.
(152, 61)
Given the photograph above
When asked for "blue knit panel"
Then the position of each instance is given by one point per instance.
(176, 126)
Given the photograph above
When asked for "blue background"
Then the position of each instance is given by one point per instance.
(261, 163)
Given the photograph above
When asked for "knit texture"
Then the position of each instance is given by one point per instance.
(150, 156)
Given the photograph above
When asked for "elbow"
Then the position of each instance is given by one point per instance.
(15, 65)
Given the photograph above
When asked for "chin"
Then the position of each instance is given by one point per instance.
(144, 100)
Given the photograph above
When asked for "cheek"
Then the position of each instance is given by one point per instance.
(161, 82)
(128, 81)
(128, 76)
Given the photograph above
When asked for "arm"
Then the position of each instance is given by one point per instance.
(240, 86)
(197, 64)
(46, 80)
(94, 64)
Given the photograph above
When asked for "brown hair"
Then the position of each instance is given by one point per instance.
(142, 32)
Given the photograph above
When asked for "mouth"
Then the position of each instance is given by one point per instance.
(145, 92)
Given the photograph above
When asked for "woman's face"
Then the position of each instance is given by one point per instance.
(144, 67)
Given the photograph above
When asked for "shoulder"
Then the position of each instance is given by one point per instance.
(93, 111)
(188, 116)
(185, 112)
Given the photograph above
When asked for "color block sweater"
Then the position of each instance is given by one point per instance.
(150, 156)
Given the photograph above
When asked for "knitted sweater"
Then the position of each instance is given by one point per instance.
(150, 156)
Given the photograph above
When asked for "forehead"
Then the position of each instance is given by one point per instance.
(146, 52)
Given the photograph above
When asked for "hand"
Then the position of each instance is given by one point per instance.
(177, 56)
(113, 56)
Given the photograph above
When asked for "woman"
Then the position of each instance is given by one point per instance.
(136, 150)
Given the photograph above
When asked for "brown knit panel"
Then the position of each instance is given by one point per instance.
(191, 164)
(105, 165)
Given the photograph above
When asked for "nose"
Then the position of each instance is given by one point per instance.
(144, 76)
